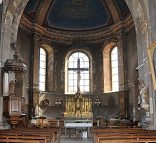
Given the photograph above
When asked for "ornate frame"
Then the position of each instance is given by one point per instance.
(150, 50)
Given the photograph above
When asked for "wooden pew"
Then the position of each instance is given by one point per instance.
(18, 141)
(50, 135)
(25, 138)
(123, 135)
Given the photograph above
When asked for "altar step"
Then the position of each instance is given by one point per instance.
(76, 133)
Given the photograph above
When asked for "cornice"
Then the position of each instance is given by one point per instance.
(97, 35)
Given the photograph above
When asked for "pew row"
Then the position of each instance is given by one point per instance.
(47, 135)
(123, 135)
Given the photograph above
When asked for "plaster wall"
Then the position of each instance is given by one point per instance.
(23, 48)
(132, 73)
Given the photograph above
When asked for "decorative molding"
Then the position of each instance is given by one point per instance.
(151, 58)
(97, 35)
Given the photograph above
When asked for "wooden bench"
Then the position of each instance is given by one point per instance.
(19, 141)
(123, 135)
(23, 138)
(48, 134)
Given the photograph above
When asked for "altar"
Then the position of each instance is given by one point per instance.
(79, 125)
(78, 114)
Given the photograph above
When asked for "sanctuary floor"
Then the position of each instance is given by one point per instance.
(75, 140)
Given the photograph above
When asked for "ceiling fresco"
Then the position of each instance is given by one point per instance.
(75, 14)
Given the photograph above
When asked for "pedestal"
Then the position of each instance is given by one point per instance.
(14, 120)
(40, 121)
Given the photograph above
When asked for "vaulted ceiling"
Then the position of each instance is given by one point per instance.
(76, 15)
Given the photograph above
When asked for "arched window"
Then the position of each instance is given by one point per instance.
(114, 69)
(110, 68)
(42, 70)
(78, 73)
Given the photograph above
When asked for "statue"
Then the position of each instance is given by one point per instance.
(78, 103)
(143, 96)
(12, 87)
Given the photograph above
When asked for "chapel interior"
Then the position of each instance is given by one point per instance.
(75, 68)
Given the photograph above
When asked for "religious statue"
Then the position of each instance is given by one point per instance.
(78, 104)
(143, 96)
(12, 87)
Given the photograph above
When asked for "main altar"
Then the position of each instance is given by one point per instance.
(78, 113)
(78, 107)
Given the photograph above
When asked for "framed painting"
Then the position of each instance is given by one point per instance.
(152, 62)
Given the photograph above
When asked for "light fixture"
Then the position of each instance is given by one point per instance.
(97, 101)
(58, 102)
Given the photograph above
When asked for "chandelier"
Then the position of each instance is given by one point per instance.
(15, 65)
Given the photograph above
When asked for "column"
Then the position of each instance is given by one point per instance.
(33, 73)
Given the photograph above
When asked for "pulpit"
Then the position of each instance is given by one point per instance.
(18, 67)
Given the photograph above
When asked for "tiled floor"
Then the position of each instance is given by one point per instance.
(75, 140)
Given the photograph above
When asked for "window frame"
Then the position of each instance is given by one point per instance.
(46, 58)
(116, 67)
(87, 54)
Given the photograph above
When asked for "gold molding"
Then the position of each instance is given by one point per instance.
(98, 35)
(150, 51)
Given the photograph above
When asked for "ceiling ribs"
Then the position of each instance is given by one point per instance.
(113, 10)
(43, 11)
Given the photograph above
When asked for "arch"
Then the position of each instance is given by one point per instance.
(13, 15)
(107, 66)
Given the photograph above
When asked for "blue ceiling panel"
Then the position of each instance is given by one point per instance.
(124, 10)
(78, 14)
(31, 8)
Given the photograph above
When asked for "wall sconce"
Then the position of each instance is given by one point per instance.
(97, 101)
(58, 102)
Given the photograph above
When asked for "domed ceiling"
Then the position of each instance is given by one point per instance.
(76, 15)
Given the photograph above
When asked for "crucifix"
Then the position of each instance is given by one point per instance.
(79, 70)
